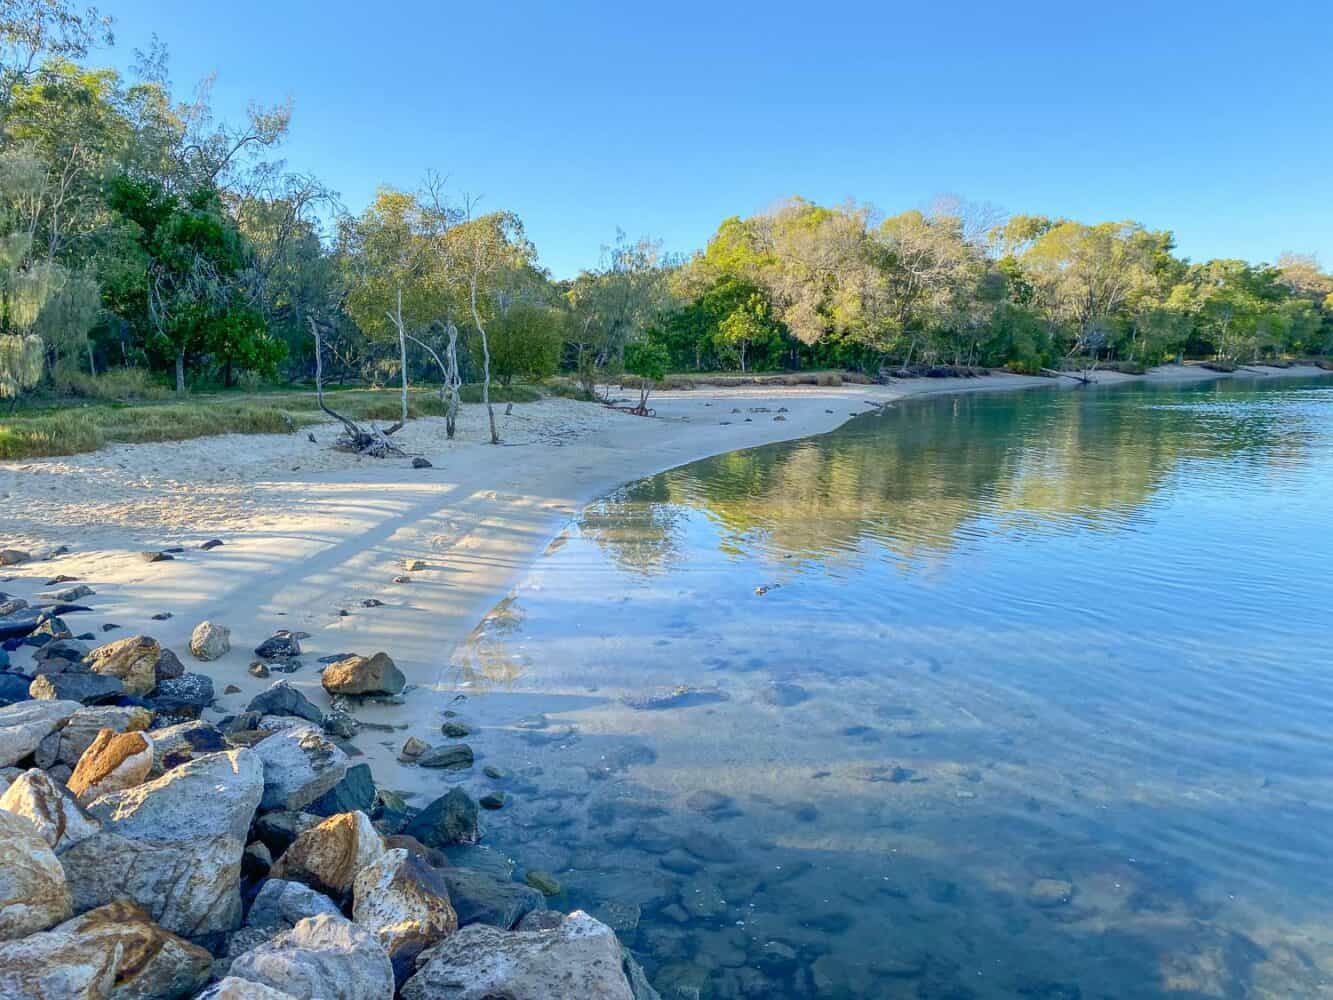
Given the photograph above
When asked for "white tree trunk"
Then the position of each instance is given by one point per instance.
(485, 364)
(180, 371)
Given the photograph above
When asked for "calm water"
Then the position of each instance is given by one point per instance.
(1038, 703)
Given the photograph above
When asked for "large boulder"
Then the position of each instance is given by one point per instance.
(363, 675)
(67, 744)
(210, 641)
(50, 807)
(137, 660)
(283, 699)
(114, 952)
(13, 557)
(404, 902)
(300, 765)
(322, 957)
(20, 622)
(328, 856)
(33, 891)
(281, 903)
(580, 958)
(173, 844)
(114, 762)
(482, 898)
(24, 725)
(450, 819)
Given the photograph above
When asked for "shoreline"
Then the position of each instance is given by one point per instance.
(309, 532)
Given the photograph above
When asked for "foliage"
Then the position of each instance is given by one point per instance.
(525, 342)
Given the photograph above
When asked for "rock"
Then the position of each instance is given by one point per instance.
(321, 957)
(283, 903)
(495, 773)
(783, 694)
(13, 557)
(279, 830)
(52, 628)
(454, 756)
(114, 762)
(543, 882)
(1048, 892)
(24, 725)
(492, 800)
(153, 557)
(702, 898)
(682, 696)
(402, 579)
(481, 898)
(85, 688)
(356, 792)
(258, 669)
(232, 988)
(413, 748)
(175, 745)
(421, 463)
(174, 844)
(359, 675)
(256, 861)
(185, 696)
(282, 645)
(328, 856)
(450, 819)
(211, 544)
(68, 595)
(162, 616)
(372, 602)
(13, 687)
(455, 730)
(283, 699)
(50, 808)
(300, 765)
(708, 801)
(71, 651)
(580, 958)
(8, 605)
(231, 689)
(210, 642)
(33, 892)
(540, 920)
(401, 841)
(404, 902)
(19, 623)
(134, 660)
(115, 952)
(67, 744)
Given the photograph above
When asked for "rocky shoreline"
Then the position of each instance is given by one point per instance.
(149, 853)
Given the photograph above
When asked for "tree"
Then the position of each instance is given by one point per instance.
(648, 361)
(32, 31)
(483, 251)
(524, 342)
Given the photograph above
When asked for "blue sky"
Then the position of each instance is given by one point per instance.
(1211, 119)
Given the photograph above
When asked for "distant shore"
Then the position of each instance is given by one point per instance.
(310, 532)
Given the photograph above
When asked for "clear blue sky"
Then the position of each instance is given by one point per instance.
(1208, 118)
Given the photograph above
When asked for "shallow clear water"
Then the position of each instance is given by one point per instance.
(1039, 702)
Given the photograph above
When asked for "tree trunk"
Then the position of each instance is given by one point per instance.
(180, 371)
(92, 360)
(402, 352)
(485, 364)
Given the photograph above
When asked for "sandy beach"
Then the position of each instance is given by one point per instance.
(310, 533)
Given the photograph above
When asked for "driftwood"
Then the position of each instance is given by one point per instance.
(353, 438)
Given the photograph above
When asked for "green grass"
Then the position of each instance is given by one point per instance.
(50, 427)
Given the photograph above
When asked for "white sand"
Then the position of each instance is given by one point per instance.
(309, 530)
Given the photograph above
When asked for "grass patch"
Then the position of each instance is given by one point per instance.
(48, 428)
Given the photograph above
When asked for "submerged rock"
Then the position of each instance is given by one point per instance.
(450, 819)
(454, 757)
(481, 898)
(579, 958)
(682, 696)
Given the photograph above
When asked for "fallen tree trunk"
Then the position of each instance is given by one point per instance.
(353, 438)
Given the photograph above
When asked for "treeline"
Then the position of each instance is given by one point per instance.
(140, 234)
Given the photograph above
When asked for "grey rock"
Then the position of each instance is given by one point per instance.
(50, 808)
(450, 819)
(210, 641)
(579, 958)
(24, 725)
(454, 757)
(187, 695)
(405, 903)
(479, 898)
(68, 743)
(321, 957)
(33, 890)
(682, 696)
(233, 988)
(282, 904)
(300, 765)
(282, 645)
(85, 688)
(186, 741)
(355, 792)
